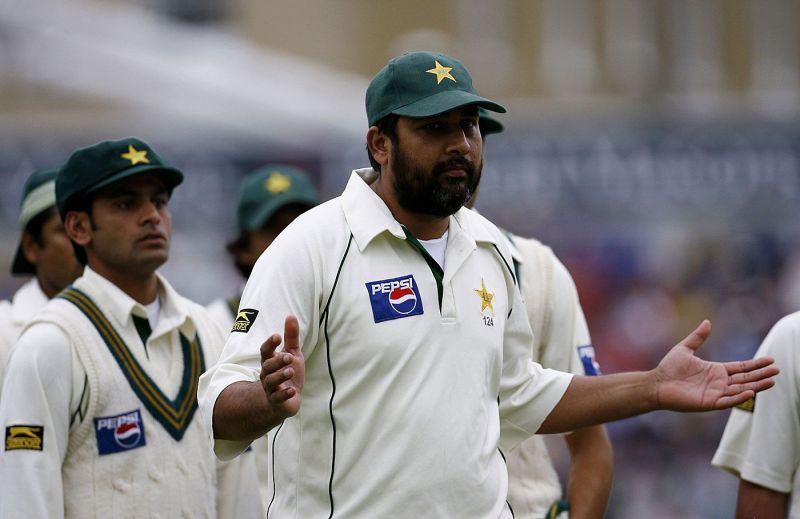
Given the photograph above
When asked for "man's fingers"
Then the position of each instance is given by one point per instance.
(744, 366)
(754, 374)
(698, 336)
(291, 334)
(272, 381)
(276, 362)
(281, 395)
(725, 402)
(756, 386)
(268, 346)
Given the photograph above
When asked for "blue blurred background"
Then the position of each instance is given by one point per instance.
(653, 143)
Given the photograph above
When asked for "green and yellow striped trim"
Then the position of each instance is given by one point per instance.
(174, 415)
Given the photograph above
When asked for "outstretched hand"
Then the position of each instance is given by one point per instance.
(685, 382)
(283, 372)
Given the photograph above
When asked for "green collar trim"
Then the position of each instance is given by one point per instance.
(436, 269)
(175, 415)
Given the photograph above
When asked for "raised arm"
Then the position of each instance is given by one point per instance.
(245, 411)
(680, 382)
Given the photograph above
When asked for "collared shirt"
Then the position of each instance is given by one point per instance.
(46, 384)
(406, 391)
(761, 441)
(28, 300)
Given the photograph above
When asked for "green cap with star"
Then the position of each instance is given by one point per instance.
(38, 195)
(99, 165)
(264, 191)
(422, 84)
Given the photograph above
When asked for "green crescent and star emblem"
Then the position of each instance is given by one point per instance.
(278, 183)
(135, 156)
(486, 297)
(441, 72)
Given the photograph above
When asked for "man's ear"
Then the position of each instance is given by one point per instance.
(30, 249)
(78, 227)
(379, 145)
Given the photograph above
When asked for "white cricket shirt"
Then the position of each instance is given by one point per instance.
(405, 394)
(763, 446)
(28, 300)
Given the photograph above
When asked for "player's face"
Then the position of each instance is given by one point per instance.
(56, 265)
(437, 161)
(258, 240)
(131, 226)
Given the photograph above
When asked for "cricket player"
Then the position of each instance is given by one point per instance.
(382, 340)
(99, 403)
(44, 251)
(761, 442)
(269, 199)
(561, 342)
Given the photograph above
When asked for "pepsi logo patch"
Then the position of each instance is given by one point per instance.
(590, 366)
(394, 298)
(119, 433)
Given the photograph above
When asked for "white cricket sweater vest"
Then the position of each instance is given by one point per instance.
(165, 477)
(533, 483)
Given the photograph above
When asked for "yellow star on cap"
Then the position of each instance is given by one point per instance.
(441, 72)
(135, 156)
(278, 183)
(486, 297)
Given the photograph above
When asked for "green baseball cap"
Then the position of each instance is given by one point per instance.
(269, 188)
(487, 123)
(99, 165)
(422, 84)
(38, 195)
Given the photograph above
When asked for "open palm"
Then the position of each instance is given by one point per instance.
(688, 383)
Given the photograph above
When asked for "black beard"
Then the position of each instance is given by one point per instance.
(432, 193)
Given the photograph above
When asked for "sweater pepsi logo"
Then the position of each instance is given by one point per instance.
(394, 298)
(119, 433)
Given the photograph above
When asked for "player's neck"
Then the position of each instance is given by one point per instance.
(142, 287)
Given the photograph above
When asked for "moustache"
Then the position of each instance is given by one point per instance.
(456, 163)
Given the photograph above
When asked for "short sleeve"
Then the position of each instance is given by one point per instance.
(761, 446)
(528, 392)
(285, 281)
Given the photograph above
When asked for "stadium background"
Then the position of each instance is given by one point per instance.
(653, 144)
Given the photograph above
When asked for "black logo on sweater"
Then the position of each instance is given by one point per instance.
(244, 320)
(27, 437)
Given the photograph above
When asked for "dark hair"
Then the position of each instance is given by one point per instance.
(82, 204)
(388, 127)
(36, 224)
